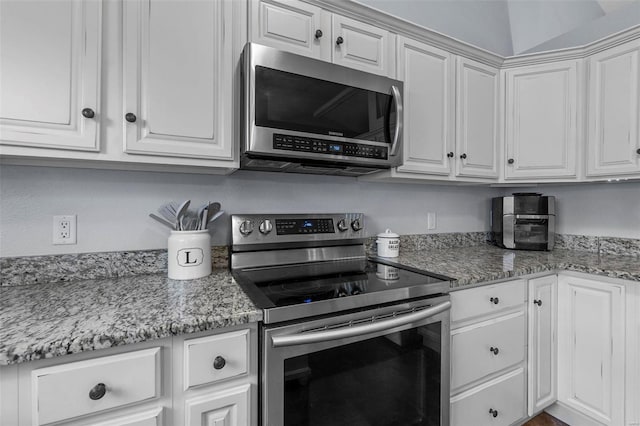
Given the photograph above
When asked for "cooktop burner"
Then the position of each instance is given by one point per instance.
(295, 291)
(304, 265)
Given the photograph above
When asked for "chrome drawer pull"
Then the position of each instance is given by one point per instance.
(493, 412)
(494, 350)
(495, 300)
(219, 363)
(537, 302)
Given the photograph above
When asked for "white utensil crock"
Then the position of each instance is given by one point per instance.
(189, 254)
(388, 244)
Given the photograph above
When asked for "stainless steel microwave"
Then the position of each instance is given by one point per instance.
(308, 116)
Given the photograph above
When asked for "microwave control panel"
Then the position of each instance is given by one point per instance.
(320, 146)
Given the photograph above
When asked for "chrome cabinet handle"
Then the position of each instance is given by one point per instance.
(494, 300)
(463, 156)
(638, 151)
(219, 363)
(323, 336)
(450, 154)
(537, 302)
(130, 117)
(511, 161)
(98, 391)
(494, 350)
(88, 113)
(397, 98)
(318, 34)
(493, 412)
(339, 41)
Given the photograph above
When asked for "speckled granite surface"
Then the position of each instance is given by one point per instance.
(482, 263)
(49, 320)
(16, 271)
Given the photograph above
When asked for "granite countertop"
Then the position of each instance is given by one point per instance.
(49, 320)
(484, 263)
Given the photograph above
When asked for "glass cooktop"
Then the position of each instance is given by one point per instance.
(298, 291)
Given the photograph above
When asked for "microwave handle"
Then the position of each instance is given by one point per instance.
(397, 98)
(323, 336)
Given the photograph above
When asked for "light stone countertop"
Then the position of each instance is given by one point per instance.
(49, 320)
(485, 263)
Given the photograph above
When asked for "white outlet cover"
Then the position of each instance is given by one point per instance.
(431, 220)
(64, 229)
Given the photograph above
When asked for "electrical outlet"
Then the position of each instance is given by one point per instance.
(431, 220)
(64, 229)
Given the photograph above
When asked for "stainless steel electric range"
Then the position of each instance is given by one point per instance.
(346, 339)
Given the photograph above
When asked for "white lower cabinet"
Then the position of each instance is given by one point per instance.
(205, 379)
(543, 342)
(592, 348)
(496, 402)
(488, 347)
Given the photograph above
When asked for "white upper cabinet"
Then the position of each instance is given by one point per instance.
(178, 79)
(293, 26)
(50, 55)
(614, 111)
(476, 119)
(541, 120)
(298, 27)
(428, 75)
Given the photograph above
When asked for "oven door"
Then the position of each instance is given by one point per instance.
(388, 366)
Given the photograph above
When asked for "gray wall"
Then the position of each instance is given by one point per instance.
(113, 206)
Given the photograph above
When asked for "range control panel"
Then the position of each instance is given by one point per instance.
(284, 228)
(320, 146)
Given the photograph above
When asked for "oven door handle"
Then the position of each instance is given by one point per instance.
(395, 93)
(326, 335)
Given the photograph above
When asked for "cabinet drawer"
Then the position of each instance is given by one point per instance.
(485, 348)
(213, 358)
(66, 391)
(487, 300)
(503, 396)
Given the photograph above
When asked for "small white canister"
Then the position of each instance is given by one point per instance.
(388, 244)
(189, 254)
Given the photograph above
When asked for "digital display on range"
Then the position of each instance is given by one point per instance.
(304, 226)
(335, 148)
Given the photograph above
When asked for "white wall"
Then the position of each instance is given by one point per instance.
(113, 206)
(602, 209)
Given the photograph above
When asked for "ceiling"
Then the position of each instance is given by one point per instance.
(512, 27)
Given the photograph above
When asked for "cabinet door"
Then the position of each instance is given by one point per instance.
(427, 73)
(293, 26)
(229, 408)
(363, 46)
(50, 73)
(591, 348)
(542, 342)
(614, 113)
(178, 78)
(476, 119)
(541, 121)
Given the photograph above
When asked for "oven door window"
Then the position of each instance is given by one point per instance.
(532, 231)
(299, 103)
(389, 380)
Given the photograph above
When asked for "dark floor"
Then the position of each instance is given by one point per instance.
(544, 419)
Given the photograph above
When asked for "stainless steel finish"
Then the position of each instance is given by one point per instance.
(257, 149)
(509, 228)
(397, 98)
(258, 259)
(552, 232)
(532, 216)
(246, 227)
(508, 206)
(348, 330)
(248, 241)
(265, 227)
(356, 225)
(342, 225)
(273, 358)
(551, 206)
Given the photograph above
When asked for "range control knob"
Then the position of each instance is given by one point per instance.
(342, 225)
(246, 227)
(356, 225)
(265, 227)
